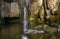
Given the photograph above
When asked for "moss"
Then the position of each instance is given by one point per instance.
(58, 15)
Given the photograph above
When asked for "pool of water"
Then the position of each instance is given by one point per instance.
(14, 31)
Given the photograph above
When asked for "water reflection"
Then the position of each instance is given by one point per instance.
(24, 37)
(11, 31)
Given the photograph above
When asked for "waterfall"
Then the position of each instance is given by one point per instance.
(27, 2)
(25, 19)
(25, 22)
(24, 37)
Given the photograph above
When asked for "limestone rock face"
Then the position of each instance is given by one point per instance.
(14, 12)
(11, 10)
(6, 9)
(34, 7)
(52, 4)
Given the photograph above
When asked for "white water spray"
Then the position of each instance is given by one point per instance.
(24, 37)
(25, 22)
(25, 19)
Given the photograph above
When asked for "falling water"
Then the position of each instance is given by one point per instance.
(24, 37)
(25, 19)
(25, 22)
(25, 15)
